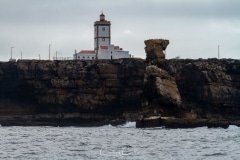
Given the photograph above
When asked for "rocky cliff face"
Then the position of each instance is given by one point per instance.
(67, 90)
(100, 92)
(191, 88)
(208, 87)
(198, 88)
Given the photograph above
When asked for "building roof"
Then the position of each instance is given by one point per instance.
(87, 52)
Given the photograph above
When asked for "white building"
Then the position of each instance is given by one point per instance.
(111, 52)
(85, 55)
(103, 49)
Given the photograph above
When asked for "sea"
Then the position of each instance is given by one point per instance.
(124, 142)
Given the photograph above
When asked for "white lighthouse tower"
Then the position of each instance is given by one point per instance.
(102, 36)
(103, 49)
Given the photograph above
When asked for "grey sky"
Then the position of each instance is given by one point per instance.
(194, 27)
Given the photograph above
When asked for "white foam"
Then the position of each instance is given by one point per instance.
(128, 125)
(233, 127)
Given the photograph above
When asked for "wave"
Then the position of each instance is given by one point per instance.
(128, 125)
(233, 127)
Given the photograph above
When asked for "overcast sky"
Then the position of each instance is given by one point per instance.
(194, 27)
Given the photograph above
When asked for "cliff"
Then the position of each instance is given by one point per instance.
(212, 86)
(69, 92)
(198, 88)
(90, 93)
(189, 93)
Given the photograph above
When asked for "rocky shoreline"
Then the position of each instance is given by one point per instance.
(169, 122)
(202, 92)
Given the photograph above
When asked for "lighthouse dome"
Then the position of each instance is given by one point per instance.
(102, 17)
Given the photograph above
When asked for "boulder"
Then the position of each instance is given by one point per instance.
(161, 87)
(155, 50)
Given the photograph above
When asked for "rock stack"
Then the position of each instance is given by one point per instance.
(155, 51)
(160, 86)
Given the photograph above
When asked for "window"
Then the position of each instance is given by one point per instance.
(88, 57)
(103, 39)
(92, 57)
(103, 28)
(83, 57)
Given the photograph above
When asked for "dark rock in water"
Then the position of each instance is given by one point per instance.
(149, 122)
(171, 122)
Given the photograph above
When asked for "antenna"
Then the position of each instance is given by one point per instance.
(49, 50)
(21, 55)
(218, 51)
(11, 52)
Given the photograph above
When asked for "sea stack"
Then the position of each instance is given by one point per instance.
(159, 85)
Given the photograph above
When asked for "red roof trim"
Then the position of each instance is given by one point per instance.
(87, 52)
(104, 47)
(102, 23)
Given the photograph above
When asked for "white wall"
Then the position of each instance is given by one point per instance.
(103, 41)
(103, 54)
(120, 54)
(116, 54)
(102, 32)
(84, 56)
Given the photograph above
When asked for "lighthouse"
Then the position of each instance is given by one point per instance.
(103, 49)
(102, 36)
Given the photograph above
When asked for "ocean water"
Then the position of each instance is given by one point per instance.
(121, 142)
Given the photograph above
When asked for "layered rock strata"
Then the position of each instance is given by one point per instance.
(79, 92)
